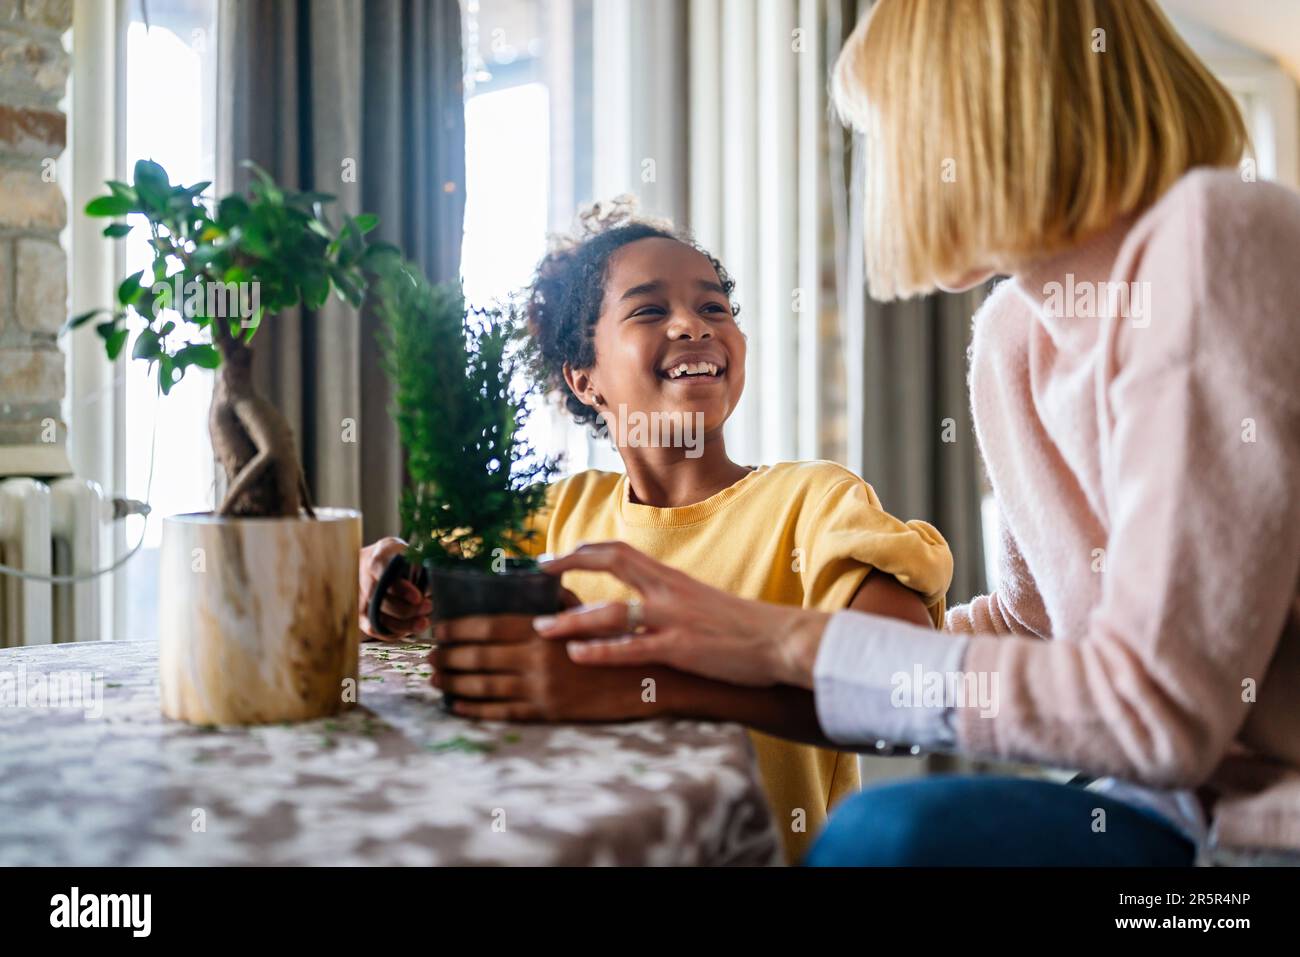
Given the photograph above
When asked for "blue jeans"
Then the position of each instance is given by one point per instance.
(980, 821)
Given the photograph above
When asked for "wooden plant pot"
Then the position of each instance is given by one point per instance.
(258, 617)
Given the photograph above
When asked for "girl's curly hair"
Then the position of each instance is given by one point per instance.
(564, 300)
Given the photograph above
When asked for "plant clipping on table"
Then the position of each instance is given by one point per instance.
(257, 601)
(474, 479)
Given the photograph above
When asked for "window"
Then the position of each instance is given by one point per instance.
(172, 123)
(523, 176)
(147, 89)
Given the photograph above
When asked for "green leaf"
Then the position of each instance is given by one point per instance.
(350, 242)
(167, 373)
(378, 250)
(146, 345)
(206, 356)
(349, 289)
(152, 185)
(108, 206)
(232, 211)
(117, 230)
(145, 302)
(129, 292)
(80, 320)
(114, 341)
(263, 186)
(255, 238)
(180, 204)
(366, 222)
(253, 323)
(315, 288)
(199, 354)
(204, 254)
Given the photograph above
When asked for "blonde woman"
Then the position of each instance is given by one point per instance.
(1136, 390)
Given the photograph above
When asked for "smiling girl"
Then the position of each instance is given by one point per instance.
(634, 324)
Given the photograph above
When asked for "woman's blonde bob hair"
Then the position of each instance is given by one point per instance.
(1000, 131)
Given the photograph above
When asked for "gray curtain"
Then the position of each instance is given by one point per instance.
(918, 440)
(362, 100)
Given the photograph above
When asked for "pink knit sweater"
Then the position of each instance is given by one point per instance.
(1147, 472)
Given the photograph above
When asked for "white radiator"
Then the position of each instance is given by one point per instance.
(55, 528)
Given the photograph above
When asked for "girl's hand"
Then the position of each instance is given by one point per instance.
(405, 610)
(684, 624)
(497, 669)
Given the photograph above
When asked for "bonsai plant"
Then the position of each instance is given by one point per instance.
(258, 600)
(475, 480)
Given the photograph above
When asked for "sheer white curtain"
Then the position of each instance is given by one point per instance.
(764, 163)
(627, 128)
(776, 192)
(715, 114)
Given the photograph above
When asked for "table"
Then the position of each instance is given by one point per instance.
(394, 780)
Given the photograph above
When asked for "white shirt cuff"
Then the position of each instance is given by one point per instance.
(880, 683)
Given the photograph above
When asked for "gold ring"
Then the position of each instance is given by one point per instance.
(635, 614)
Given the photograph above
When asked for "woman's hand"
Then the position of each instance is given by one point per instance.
(497, 669)
(684, 624)
(405, 610)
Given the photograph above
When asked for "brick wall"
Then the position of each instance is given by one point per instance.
(33, 266)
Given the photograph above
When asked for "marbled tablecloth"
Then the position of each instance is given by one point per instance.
(392, 781)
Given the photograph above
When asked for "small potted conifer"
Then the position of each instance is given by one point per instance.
(475, 482)
(257, 599)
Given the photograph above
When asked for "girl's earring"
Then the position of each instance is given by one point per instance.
(598, 399)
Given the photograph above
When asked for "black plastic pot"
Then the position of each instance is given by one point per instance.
(520, 589)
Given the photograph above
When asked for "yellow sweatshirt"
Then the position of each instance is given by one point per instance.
(796, 533)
